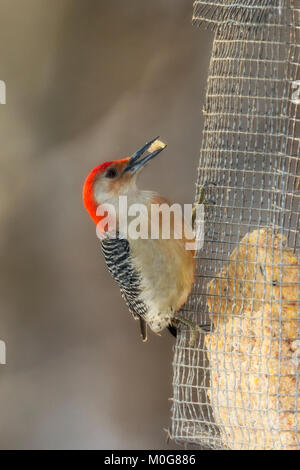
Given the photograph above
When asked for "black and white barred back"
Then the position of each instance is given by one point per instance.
(116, 252)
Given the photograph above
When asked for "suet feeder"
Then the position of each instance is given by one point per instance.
(239, 387)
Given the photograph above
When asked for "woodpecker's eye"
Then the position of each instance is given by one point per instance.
(111, 173)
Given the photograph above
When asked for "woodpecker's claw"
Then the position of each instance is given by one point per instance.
(205, 328)
(135, 164)
(209, 183)
(194, 328)
(202, 199)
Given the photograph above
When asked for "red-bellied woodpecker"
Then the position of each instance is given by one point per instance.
(155, 275)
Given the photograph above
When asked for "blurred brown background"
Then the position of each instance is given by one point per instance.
(87, 81)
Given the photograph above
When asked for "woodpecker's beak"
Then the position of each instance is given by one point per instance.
(135, 164)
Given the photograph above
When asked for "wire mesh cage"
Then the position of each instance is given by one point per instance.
(239, 387)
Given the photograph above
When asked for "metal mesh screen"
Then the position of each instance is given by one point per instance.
(239, 387)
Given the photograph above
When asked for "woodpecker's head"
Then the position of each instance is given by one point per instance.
(118, 177)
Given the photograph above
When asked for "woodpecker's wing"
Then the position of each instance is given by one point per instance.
(117, 255)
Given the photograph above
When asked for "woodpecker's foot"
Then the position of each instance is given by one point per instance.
(194, 328)
(202, 199)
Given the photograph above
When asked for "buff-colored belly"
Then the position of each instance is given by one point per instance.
(167, 272)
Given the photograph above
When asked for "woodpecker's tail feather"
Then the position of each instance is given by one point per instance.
(143, 327)
(173, 330)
